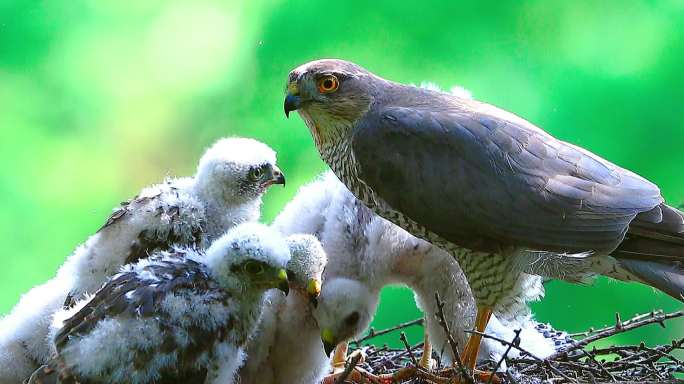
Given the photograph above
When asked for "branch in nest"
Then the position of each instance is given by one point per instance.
(505, 342)
(516, 341)
(372, 333)
(633, 364)
(348, 369)
(402, 337)
(620, 327)
(649, 364)
(452, 343)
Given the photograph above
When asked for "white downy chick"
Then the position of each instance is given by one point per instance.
(231, 178)
(226, 190)
(286, 348)
(368, 253)
(177, 316)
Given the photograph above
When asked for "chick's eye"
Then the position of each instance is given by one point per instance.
(254, 268)
(328, 84)
(352, 319)
(255, 174)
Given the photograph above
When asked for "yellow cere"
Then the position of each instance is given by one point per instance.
(313, 287)
(327, 336)
(292, 88)
(282, 275)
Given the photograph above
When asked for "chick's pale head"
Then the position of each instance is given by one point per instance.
(308, 259)
(251, 258)
(236, 170)
(345, 309)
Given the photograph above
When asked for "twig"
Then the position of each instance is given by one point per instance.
(376, 351)
(372, 333)
(402, 337)
(452, 343)
(593, 330)
(405, 353)
(505, 342)
(627, 364)
(622, 327)
(348, 369)
(516, 340)
(592, 357)
(555, 370)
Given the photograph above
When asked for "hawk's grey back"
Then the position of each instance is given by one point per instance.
(483, 181)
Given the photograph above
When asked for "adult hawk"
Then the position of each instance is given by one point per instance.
(502, 195)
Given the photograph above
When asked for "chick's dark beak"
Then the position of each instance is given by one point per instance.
(292, 103)
(328, 348)
(278, 176)
(274, 176)
(285, 287)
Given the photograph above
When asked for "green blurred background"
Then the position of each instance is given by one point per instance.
(100, 98)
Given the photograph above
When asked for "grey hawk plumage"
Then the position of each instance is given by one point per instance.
(177, 316)
(487, 185)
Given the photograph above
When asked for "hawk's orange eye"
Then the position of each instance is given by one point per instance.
(328, 84)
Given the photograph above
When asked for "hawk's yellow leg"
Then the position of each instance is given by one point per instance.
(472, 348)
(426, 360)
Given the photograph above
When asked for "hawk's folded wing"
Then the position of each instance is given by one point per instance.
(482, 179)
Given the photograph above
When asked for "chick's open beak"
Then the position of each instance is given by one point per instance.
(313, 290)
(328, 340)
(292, 100)
(283, 283)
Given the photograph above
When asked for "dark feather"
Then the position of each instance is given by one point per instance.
(668, 278)
(115, 216)
(55, 372)
(125, 208)
(653, 249)
(149, 241)
(129, 294)
(480, 179)
(484, 179)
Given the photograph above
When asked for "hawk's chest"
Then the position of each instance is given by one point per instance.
(341, 160)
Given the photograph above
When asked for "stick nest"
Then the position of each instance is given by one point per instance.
(576, 364)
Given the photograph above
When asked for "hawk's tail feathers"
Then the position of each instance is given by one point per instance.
(668, 278)
(653, 249)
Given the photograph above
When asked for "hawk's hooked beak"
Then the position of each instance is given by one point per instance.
(313, 290)
(328, 340)
(292, 100)
(283, 283)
